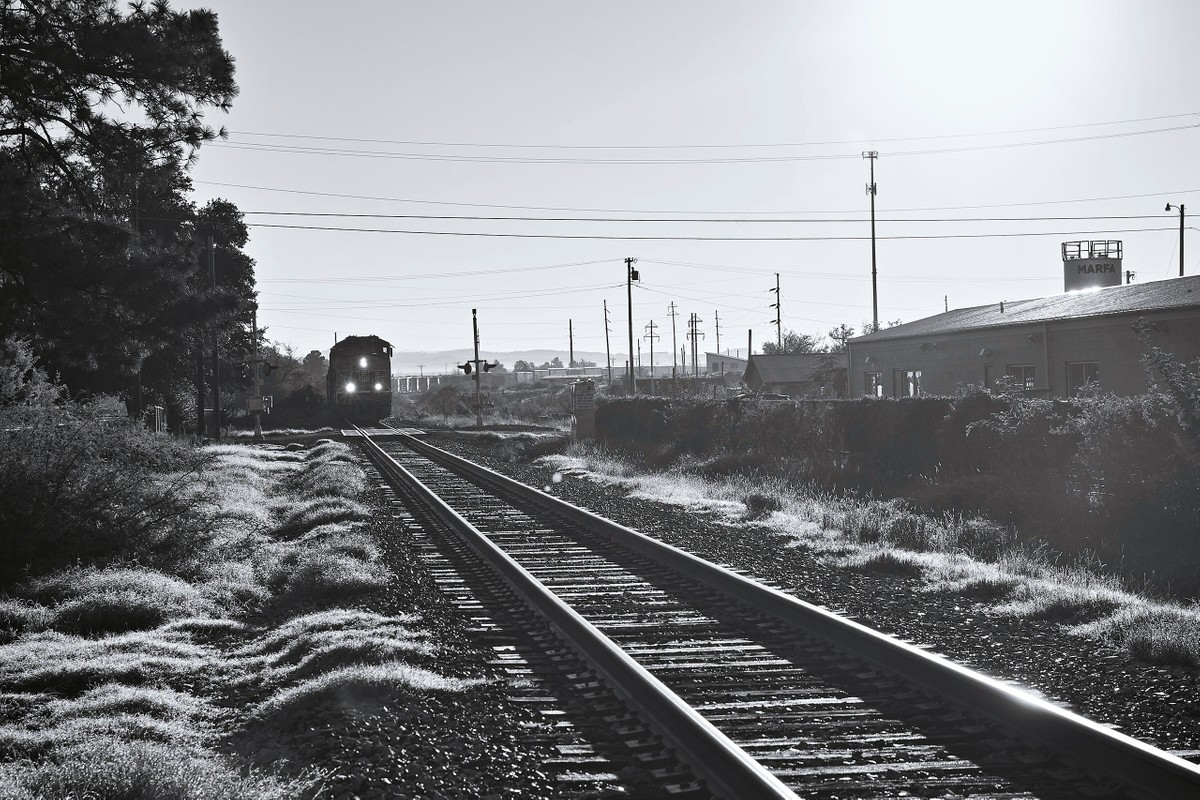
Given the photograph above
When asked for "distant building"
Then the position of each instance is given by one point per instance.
(798, 374)
(1052, 346)
(730, 366)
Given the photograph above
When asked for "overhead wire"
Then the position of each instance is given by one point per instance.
(642, 237)
(450, 157)
(711, 146)
(377, 198)
(734, 220)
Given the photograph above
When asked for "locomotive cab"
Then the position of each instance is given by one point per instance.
(360, 378)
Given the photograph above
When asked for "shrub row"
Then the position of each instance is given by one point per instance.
(1113, 476)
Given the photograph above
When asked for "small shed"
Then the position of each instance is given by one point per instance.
(798, 374)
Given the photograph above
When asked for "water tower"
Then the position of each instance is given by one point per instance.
(1091, 265)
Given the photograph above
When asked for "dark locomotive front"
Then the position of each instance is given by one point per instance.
(359, 385)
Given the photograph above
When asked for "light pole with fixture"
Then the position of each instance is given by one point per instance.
(1180, 207)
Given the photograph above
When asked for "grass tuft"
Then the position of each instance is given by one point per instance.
(70, 665)
(886, 561)
(313, 574)
(1157, 634)
(357, 687)
(116, 600)
(18, 617)
(136, 770)
(303, 517)
(760, 506)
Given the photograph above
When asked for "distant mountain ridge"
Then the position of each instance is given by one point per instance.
(442, 361)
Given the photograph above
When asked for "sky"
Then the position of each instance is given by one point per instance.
(718, 143)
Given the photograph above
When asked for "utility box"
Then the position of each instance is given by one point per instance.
(583, 409)
(260, 405)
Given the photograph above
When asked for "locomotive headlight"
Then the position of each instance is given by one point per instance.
(350, 387)
(362, 362)
(379, 387)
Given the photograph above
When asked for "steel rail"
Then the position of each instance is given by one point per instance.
(729, 770)
(1140, 767)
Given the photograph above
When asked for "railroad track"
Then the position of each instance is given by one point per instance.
(758, 693)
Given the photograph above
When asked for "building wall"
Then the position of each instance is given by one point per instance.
(949, 361)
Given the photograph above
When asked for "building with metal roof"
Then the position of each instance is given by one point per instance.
(1052, 346)
(798, 374)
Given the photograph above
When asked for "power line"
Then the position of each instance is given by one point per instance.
(429, 275)
(376, 198)
(739, 221)
(449, 157)
(914, 237)
(460, 298)
(705, 146)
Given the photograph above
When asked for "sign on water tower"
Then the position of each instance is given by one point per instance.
(1091, 265)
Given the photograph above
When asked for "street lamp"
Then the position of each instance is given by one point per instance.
(1180, 207)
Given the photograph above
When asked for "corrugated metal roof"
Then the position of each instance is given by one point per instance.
(792, 367)
(1138, 297)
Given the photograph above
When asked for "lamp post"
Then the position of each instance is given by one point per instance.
(1180, 207)
(631, 275)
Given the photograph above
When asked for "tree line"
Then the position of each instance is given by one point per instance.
(110, 270)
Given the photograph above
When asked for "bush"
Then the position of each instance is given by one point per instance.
(75, 486)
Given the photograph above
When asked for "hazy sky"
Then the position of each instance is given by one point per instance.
(707, 125)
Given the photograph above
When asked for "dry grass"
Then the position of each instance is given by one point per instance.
(315, 643)
(113, 716)
(1155, 633)
(114, 600)
(105, 767)
(68, 665)
(360, 686)
(889, 561)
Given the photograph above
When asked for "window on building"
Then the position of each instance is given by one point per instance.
(908, 382)
(873, 384)
(1023, 373)
(1080, 374)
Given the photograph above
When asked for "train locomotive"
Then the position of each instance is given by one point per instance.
(359, 385)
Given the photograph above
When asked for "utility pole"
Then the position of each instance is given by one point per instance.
(258, 434)
(607, 348)
(631, 275)
(674, 364)
(651, 336)
(571, 338)
(872, 155)
(1180, 207)
(717, 322)
(778, 313)
(695, 335)
(216, 361)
